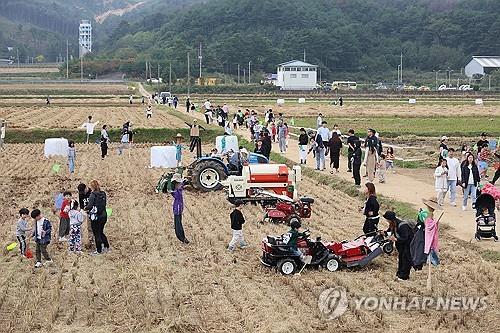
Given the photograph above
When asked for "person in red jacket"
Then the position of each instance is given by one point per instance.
(64, 217)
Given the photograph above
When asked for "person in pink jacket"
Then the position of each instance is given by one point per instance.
(431, 246)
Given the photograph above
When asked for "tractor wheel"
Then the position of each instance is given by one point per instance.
(287, 266)
(332, 264)
(206, 176)
(388, 248)
(291, 218)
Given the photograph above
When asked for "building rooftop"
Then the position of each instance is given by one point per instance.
(488, 61)
(296, 63)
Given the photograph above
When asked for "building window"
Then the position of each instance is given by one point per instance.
(287, 69)
(293, 76)
(305, 76)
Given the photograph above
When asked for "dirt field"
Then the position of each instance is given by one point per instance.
(53, 89)
(27, 70)
(73, 117)
(152, 283)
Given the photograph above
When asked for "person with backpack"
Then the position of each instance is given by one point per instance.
(42, 233)
(402, 234)
(96, 209)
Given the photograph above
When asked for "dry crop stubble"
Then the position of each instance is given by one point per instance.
(150, 282)
(53, 89)
(48, 117)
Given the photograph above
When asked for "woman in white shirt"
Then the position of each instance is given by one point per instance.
(441, 183)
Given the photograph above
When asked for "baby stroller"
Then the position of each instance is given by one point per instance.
(485, 217)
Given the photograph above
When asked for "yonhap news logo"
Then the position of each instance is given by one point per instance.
(334, 302)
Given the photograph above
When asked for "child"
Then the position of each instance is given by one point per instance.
(389, 159)
(64, 217)
(42, 233)
(71, 156)
(274, 131)
(382, 168)
(237, 220)
(75, 232)
(149, 112)
(21, 228)
(441, 183)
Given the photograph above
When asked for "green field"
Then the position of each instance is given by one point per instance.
(394, 126)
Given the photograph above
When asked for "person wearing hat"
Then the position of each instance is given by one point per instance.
(483, 142)
(178, 148)
(443, 148)
(178, 206)
(402, 235)
(431, 230)
(194, 135)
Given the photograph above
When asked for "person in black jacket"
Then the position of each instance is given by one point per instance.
(96, 209)
(470, 179)
(266, 144)
(402, 234)
(351, 139)
(303, 141)
(237, 220)
(370, 210)
(335, 147)
(356, 162)
(83, 200)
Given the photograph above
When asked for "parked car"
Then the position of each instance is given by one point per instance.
(444, 87)
(465, 87)
(424, 88)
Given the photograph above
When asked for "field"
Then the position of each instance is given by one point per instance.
(150, 282)
(27, 89)
(28, 70)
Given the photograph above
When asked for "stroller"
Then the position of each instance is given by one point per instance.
(485, 217)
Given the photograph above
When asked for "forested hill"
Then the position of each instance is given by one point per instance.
(364, 36)
(41, 27)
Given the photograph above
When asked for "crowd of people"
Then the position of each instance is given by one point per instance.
(90, 205)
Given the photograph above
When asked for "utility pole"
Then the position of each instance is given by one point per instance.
(17, 53)
(146, 71)
(188, 78)
(170, 77)
(399, 66)
(244, 75)
(304, 55)
(158, 81)
(437, 78)
(67, 59)
(401, 71)
(249, 63)
(81, 69)
(200, 57)
(238, 73)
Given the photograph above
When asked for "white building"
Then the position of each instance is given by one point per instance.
(85, 37)
(482, 65)
(296, 75)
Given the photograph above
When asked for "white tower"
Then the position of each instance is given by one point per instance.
(85, 37)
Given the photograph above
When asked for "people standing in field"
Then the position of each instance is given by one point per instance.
(441, 181)
(266, 144)
(402, 235)
(303, 141)
(83, 199)
(3, 127)
(42, 233)
(237, 221)
(124, 142)
(175, 101)
(335, 148)
(64, 217)
(381, 168)
(482, 142)
(454, 175)
(96, 210)
(178, 207)
(22, 227)
(351, 139)
(443, 148)
(89, 127)
(188, 105)
(104, 141)
(130, 99)
(470, 180)
(208, 111)
(319, 151)
(371, 210)
(371, 154)
(356, 162)
(149, 112)
(319, 121)
(282, 138)
(75, 224)
(389, 159)
(71, 156)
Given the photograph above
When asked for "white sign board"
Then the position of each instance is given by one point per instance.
(224, 143)
(302, 100)
(163, 157)
(56, 147)
(412, 101)
(479, 101)
(280, 101)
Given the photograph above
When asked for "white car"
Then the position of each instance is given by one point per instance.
(444, 87)
(465, 87)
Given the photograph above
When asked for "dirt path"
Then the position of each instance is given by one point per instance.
(403, 188)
